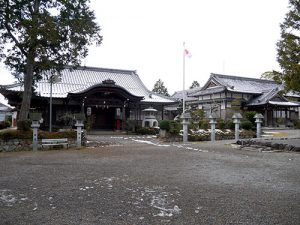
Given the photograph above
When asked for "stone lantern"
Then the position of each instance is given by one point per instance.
(237, 120)
(79, 117)
(258, 120)
(185, 122)
(35, 118)
(150, 118)
(212, 122)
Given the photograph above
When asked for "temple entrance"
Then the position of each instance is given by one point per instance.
(104, 118)
(107, 103)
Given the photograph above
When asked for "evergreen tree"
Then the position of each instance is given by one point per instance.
(195, 84)
(38, 36)
(289, 47)
(272, 75)
(160, 88)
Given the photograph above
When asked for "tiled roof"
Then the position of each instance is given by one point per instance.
(4, 108)
(293, 94)
(265, 89)
(188, 94)
(244, 84)
(292, 104)
(264, 97)
(267, 98)
(81, 78)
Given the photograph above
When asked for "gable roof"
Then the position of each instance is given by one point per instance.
(82, 78)
(218, 83)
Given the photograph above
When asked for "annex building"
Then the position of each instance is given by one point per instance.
(222, 95)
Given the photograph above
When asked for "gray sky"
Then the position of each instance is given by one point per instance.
(234, 37)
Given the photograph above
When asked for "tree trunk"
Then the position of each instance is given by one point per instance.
(28, 77)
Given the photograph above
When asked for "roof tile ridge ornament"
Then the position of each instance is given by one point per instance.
(101, 69)
(109, 82)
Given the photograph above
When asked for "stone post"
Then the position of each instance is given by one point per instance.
(185, 122)
(212, 122)
(35, 118)
(237, 120)
(79, 125)
(258, 120)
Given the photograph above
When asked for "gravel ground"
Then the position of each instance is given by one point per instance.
(138, 180)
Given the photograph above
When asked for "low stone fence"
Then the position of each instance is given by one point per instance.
(15, 145)
(267, 145)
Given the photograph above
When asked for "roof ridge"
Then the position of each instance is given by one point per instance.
(239, 77)
(101, 69)
(10, 85)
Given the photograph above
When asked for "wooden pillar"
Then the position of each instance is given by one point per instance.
(286, 118)
(266, 117)
(82, 105)
(272, 115)
(123, 118)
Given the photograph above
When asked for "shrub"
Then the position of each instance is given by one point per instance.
(280, 121)
(17, 134)
(131, 125)
(175, 127)
(146, 130)
(221, 124)
(229, 125)
(89, 122)
(164, 125)
(196, 116)
(247, 125)
(66, 120)
(220, 135)
(4, 124)
(250, 116)
(24, 125)
(53, 135)
(204, 124)
(247, 134)
(296, 123)
(199, 137)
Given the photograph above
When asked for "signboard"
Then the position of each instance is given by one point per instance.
(118, 112)
(89, 111)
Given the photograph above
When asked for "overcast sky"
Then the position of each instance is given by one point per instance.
(234, 37)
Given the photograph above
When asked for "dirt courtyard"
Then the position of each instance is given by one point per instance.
(137, 180)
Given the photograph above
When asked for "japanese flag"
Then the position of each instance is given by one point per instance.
(187, 53)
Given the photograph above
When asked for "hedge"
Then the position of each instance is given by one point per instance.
(17, 134)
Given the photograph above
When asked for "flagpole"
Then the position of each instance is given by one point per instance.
(183, 77)
(185, 117)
